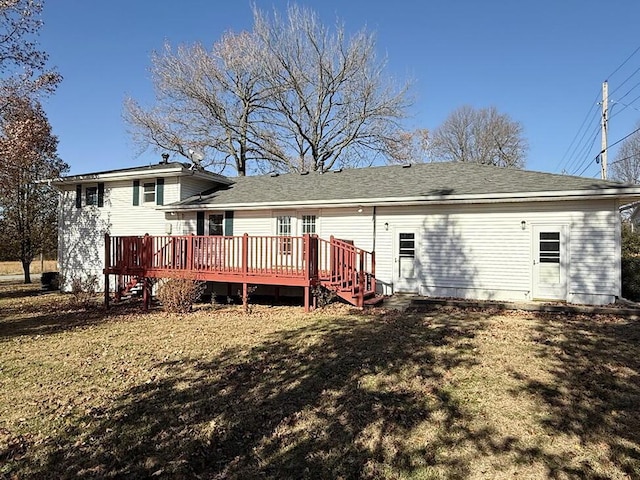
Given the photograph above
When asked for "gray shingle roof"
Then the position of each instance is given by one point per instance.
(431, 180)
(179, 166)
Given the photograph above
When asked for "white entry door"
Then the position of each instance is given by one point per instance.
(550, 262)
(406, 262)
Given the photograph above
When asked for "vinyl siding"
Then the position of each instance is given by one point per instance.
(471, 251)
(481, 251)
(192, 186)
(81, 233)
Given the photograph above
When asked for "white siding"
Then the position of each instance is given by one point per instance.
(81, 233)
(192, 186)
(471, 251)
(481, 251)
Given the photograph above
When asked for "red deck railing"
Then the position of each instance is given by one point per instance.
(277, 260)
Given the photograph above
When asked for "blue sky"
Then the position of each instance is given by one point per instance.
(542, 62)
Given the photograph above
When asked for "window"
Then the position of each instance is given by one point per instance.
(215, 224)
(283, 229)
(549, 247)
(149, 192)
(91, 196)
(407, 245)
(308, 224)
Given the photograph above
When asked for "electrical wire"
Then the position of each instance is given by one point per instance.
(623, 63)
(584, 150)
(564, 163)
(622, 139)
(625, 81)
(625, 158)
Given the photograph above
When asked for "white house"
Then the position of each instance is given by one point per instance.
(438, 229)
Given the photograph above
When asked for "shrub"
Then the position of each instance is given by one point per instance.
(84, 290)
(179, 294)
(630, 264)
(631, 278)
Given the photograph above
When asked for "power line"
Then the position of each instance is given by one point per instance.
(624, 63)
(594, 104)
(589, 164)
(625, 81)
(584, 151)
(625, 158)
(631, 90)
(623, 138)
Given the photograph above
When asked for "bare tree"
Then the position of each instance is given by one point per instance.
(28, 208)
(290, 95)
(626, 166)
(22, 62)
(330, 100)
(409, 147)
(482, 136)
(205, 100)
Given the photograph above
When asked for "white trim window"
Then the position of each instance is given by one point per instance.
(149, 192)
(284, 229)
(308, 224)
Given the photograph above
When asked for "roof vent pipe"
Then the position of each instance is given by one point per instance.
(321, 166)
(165, 159)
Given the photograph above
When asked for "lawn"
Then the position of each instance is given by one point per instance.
(15, 268)
(334, 394)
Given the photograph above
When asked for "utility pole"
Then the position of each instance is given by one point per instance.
(605, 126)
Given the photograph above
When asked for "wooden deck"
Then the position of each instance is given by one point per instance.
(305, 261)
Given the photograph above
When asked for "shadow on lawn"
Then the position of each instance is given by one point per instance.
(44, 313)
(333, 400)
(594, 392)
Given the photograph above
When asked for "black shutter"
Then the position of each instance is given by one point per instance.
(228, 223)
(200, 223)
(101, 194)
(78, 196)
(160, 191)
(136, 192)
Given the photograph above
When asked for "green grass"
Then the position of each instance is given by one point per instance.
(334, 394)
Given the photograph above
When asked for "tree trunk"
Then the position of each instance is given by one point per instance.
(25, 269)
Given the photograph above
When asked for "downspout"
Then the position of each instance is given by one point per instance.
(373, 247)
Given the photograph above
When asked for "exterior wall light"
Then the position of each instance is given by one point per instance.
(386, 226)
(523, 224)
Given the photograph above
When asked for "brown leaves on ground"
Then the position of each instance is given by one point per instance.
(338, 393)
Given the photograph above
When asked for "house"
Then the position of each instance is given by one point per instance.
(439, 229)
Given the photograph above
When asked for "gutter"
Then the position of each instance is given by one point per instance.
(408, 201)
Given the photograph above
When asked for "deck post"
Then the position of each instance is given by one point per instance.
(107, 264)
(373, 271)
(361, 281)
(146, 297)
(190, 242)
(118, 288)
(245, 296)
(245, 253)
(307, 298)
(332, 257)
(106, 291)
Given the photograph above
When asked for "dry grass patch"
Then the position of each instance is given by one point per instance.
(334, 394)
(15, 268)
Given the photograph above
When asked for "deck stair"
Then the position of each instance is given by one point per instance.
(128, 286)
(350, 272)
